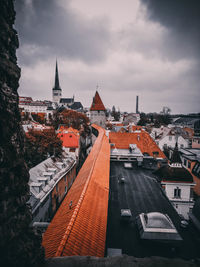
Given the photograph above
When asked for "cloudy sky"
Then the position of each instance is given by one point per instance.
(147, 48)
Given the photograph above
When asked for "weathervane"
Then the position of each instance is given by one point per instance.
(97, 87)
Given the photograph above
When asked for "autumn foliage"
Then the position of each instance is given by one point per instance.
(41, 144)
(71, 118)
(39, 117)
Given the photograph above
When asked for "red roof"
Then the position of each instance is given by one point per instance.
(69, 139)
(81, 230)
(97, 103)
(142, 139)
(67, 129)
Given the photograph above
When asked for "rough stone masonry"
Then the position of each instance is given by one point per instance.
(19, 245)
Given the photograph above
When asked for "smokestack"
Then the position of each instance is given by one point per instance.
(137, 101)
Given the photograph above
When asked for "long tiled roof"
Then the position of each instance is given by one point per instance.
(97, 103)
(81, 229)
(141, 138)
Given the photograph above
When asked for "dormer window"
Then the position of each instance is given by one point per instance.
(177, 192)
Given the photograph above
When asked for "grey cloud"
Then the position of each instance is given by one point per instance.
(181, 18)
(46, 29)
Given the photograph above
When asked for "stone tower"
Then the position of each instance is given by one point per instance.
(56, 91)
(98, 111)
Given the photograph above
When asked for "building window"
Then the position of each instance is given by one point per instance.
(170, 138)
(177, 192)
(182, 146)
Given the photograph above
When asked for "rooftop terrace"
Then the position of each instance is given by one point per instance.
(141, 193)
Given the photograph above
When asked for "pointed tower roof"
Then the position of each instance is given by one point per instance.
(174, 172)
(175, 156)
(56, 85)
(97, 103)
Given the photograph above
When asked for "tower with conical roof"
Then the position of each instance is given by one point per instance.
(56, 91)
(98, 111)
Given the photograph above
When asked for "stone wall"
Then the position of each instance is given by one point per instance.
(19, 245)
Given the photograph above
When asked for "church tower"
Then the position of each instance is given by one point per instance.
(56, 91)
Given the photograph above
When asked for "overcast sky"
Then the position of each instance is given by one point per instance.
(148, 48)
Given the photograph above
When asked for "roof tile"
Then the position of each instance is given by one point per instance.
(142, 139)
(82, 230)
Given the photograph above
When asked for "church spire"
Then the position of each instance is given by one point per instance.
(56, 91)
(57, 85)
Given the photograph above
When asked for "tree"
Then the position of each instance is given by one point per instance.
(115, 114)
(71, 118)
(143, 119)
(39, 117)
(41, 144)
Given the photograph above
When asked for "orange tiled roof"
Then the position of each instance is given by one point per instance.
(189, 130)
(143, 141)
(97, 103)
(70, 139)
(81, 230)
(136, 127)
(69, 129)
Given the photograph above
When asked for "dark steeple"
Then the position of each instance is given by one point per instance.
(57, 85)
(175, 156)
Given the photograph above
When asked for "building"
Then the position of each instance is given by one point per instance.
(66, 102)
(49, 182)
(56, 91)
(140, 193)
(178, 184)
(70, 138)
(191, 161)
(98, 111)
(169, 139)
(131, 118)
(79, 226)
(98, 216)
(35, 126)
(44, 108)
(136, 146)
(196, 142)
(59, 100)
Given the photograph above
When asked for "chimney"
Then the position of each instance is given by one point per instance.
(137, 101)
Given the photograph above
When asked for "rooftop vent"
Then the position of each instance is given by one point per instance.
(128, 165)
(122, 180)
(126, 214)
(114, 252)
